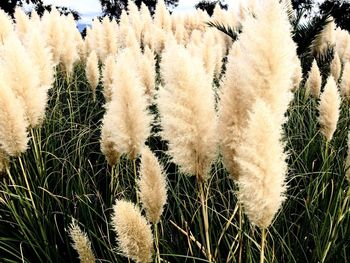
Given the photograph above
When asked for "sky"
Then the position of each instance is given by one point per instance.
(91, 8)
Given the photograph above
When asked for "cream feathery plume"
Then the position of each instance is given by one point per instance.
(329, 108)
(89, 42)
(162, 18)
(152, 186)
(324, 40)
(145, 14)
(81, 243)
(97, 35)
(210, 52)
(6, 26)
(35, 19)
(109, 45)
(53, 33)
(147, 71)
(92, 72)
(336, 67)
(123, 29)
(126, 122)
(343, 44)
(314, 81)
(42, 57)
(262, 166)
(134, 234)
(347, 160)
(268, 76)
(271, 72)
(345, 82)
(233, 109)
(22, 23)
(187, 109)
(69, 54)
(13, 125)
(109, 71)
(135, 20)
(22, 75)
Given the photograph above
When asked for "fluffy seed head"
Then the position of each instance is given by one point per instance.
(314, 81)
(324, 40)
(152, 186)
(81, 243)
(109, 71)
(329, 109)
(42, 57)
(133, 232)
(253, 71)
(6, 26)
(262, 166)
(13, 125)
(186, 107)
(127, 122)
(22, 75)
(92, 72)
(336, 67)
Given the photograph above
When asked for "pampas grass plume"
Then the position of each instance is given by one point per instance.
(13, 125)
(92, 72)
(147, 71)
(126, 122)
(134, 234)
(81, 243)
(152, 186)
(42, 57)
(336, 67)
(325, 39)
(186, 107)
(108, 73)
(343, 44)
(233, 109)
(22, 75)
(329, 109)
(262, 166)
(22, 23)
(314, 81)
(6, 26)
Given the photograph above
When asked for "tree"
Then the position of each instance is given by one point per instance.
(114, 8)
(209, 6)
(339, 10)
(9, 7)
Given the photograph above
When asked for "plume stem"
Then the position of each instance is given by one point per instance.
(156, 237)
(240, 236)
(262, 249)
(204, 202)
